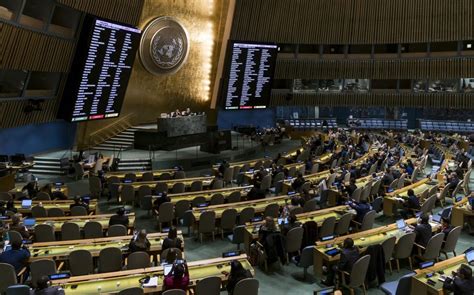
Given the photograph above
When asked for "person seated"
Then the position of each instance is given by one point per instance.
(178, 277)
(172, 241)
(292, 223)
(423, 231)
(350, 188)
(453, 180)
(446, 227)
(162, 199)
(79, 202)
(18, 226)
(410, 204)
(170, 258)
(119, 218)
(267, 228)
(17, 256)
(11, 206)
(298, 182)
(362, 208)
(237, 273)
(387, 178)
(176, 113)
(43, 287)
(349, 256)
(462, 282)
(139, 242)
(294, 203)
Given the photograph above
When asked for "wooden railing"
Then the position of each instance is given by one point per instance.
(109, 131)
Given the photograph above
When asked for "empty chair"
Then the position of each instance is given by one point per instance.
(266, 182)
(93, 230)
(198, 201)
(374, 191)
(358, 274)
(217, 199)
(228, 220)
(327, 228)
(207, 224)
(377, 204)
(44, 233)
(178, 188)
(196, 186)
(228, 175)
(294, 239)
(110, 259)
(95, 186)
(315, 168)
(4, 196)
(117, 230)
(401, 286)
(78, 211)
(217, 184)
(433, 248)
(306, 260)
(246, 215)
(238, 235)
(165, 176)
(388, 246)
(148, 176)
(234, 197)
(343, 224)
(180, 174)
(138, 260)
(310, 205)
(366, 192)
(39, 212)
(127, 194)
(368, 221)
(144, 190)
(81, 263)
(246, 287)
(18, 290)
(165, 214)
(130, 177)
(70, 231)
(209, 286)
(8, 277)
(131, 291)
(356, 195)
(43, 196)
(55, 212)
(42, 267)
(146, 203)
(403, 249)
(451, 241)
(272, 210)
(174, 292)
(188, 220)
(180, 208)
(161, 187)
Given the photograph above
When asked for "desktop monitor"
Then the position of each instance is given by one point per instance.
(401, 224)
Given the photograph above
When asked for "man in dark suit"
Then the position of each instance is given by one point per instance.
(462, 282)
(17, 257)
(361, 208)
(349, 256)
(411, 203)
(119, 218)
(44, 287)
(78, 202)
(387, 178)
(423, 231)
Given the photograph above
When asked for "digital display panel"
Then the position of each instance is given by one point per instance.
(101, 69)
(250, 75)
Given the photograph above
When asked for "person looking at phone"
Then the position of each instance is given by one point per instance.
(178, 277)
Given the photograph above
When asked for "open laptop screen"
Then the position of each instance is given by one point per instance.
(401, 224)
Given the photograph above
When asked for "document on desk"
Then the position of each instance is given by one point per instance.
(152, 283)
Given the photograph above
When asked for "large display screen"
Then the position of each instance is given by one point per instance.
(249, 76)
(101, 69)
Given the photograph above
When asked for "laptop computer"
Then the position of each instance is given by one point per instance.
(167, 269)
(26, 204)
(470, 257)
(436, 218)
(401, 224)
(29, 222)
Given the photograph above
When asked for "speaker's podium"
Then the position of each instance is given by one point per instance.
(182, 132)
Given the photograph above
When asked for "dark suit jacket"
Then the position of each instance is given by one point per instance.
(348, 258)
(423, 234)
(459, 286)
(50, 291)
(118, 219)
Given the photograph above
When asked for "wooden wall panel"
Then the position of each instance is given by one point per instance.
(353, 21)
(442, 100)
(126, 11)
(448, 68)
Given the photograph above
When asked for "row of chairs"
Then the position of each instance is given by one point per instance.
(148, 176)
(40, 196)
(41, 212)
(71, 231)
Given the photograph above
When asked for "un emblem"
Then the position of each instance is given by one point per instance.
(164, 46)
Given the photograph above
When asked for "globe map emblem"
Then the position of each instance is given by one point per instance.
(164, 46)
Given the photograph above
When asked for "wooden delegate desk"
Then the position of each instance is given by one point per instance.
(62, 204)
(206, 181)
(251, 163)
(54, 188)
(390, 203)
(57, 222)
(114, 282)
(362, 240)
(209, 193)
(258, 205)
(139, 174)
(60, 250)
(419, 280)
(459, 212)
(318, 216)
(7, 182)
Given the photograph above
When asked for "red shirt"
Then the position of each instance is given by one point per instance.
(171, 282)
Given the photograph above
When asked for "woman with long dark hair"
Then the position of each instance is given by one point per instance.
(237, 273)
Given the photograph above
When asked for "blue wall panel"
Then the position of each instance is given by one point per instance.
(33, 139)
(257, 118)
